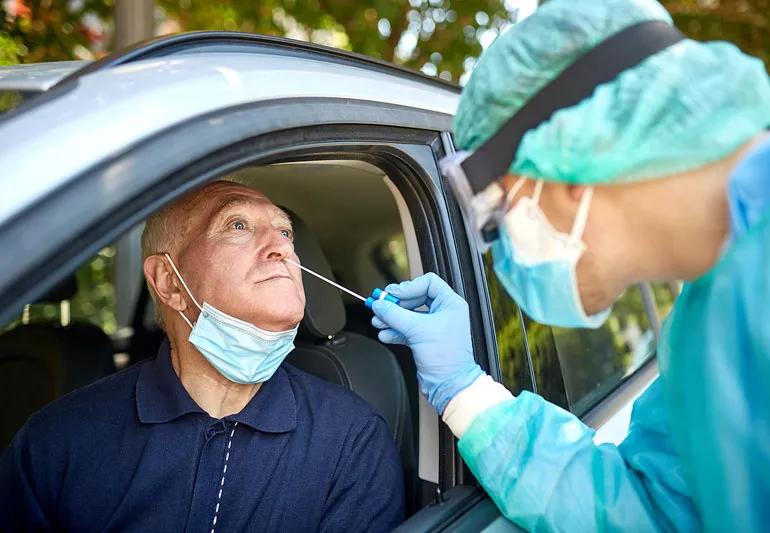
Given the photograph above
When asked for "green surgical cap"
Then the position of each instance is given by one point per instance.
(686, 106)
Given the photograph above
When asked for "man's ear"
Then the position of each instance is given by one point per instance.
(163, 281)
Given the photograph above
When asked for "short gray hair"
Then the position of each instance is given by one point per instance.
(164, 231)
(161, 234)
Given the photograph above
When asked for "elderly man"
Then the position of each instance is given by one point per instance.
(214, 433)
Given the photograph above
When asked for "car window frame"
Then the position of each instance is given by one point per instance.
(79, 212)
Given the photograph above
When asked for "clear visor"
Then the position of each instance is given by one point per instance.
(481, 211)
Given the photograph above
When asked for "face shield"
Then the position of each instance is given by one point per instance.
(482, 209)
(474, 175)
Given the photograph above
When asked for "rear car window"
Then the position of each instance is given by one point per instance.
(390, 257)
(94, 302)
(11, 99)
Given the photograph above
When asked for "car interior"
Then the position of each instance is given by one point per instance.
(351, 225)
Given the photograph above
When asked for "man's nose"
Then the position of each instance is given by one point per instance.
(275, 247)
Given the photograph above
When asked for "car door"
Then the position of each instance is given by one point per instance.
(145, 150)
(67, 203)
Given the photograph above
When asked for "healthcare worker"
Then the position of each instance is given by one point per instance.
(629, 153)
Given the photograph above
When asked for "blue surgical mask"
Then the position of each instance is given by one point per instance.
(748, 189)
(537, 264)
(240, 351)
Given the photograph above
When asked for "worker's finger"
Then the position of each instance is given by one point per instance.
(396, 317)
(378, 323)
(391, 336)
(422, 290)
(407, 302)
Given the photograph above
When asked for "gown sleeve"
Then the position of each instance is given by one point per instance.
(540, 465)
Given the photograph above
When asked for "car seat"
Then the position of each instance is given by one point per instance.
(365, 366)
(44, 360)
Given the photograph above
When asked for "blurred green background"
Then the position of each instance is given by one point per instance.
(438, 37)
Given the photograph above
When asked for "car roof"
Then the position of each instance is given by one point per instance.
(93, 111)
(37, 77)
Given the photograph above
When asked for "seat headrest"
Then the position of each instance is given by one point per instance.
(64, 290)
(324, 308)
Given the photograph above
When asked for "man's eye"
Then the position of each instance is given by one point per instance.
(238, 225)
(288, 234)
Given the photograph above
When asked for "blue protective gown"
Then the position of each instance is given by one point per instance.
(697, 455)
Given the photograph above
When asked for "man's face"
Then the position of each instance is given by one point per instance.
(231, 256)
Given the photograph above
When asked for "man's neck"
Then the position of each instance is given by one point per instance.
(214, 393)
(687, 220)
(710, 210)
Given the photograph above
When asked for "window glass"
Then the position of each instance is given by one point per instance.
(94, 301)
(595, 361)
(546, 364)
(573, 368)
(11, 99)
(665, 294)
(511, 346)
(391, 259)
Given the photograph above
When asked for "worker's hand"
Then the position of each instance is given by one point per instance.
(440, 338)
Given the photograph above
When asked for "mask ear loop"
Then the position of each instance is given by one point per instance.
(178, 275)
(514, 190)
(538, 190)
(581, 218)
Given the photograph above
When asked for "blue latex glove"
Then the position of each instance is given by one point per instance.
(440, 339)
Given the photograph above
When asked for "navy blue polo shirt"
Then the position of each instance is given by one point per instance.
(134, 452)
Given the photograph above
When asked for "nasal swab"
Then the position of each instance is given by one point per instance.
(377, 294)
(330, 282)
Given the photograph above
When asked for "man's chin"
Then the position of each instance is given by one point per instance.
(281, 320)
(279, 326)
(280, 308)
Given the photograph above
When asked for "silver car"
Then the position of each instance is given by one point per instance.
(349, 146)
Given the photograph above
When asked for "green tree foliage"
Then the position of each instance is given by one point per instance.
(745, 23)
(439, 35)
(9, 52)
(53, 30)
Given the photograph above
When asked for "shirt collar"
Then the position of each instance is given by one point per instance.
(161, 397)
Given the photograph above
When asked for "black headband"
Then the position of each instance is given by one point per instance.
(602, 64)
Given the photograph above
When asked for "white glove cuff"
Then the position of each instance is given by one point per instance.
(470, 402)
